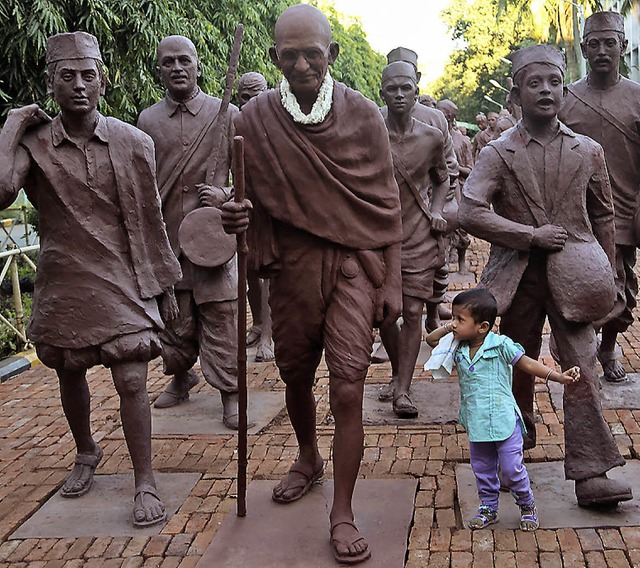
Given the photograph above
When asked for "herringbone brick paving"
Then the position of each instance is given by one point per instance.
(37, 450)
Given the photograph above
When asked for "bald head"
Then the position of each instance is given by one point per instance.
(303, 51)
(177, 42)
(305, 19)
(178, 66)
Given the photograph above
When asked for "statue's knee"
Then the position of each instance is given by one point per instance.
(345, 396)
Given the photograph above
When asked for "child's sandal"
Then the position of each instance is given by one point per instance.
(484, 518)
(529, 518)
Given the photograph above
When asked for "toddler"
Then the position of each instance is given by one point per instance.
(488, 410)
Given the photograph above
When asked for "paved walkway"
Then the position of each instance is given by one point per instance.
(36, 451)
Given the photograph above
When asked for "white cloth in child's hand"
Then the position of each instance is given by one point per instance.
(441, 361)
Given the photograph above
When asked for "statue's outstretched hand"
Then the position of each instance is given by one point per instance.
(235, 216)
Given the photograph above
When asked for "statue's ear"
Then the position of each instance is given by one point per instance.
(334, 50)
(273, 54)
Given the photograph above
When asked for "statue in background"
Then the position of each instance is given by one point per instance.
(605, 106)
(183, 126)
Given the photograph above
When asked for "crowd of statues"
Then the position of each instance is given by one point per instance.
(352, 213)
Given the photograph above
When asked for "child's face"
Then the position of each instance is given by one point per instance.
(465, 327)
(540, 91)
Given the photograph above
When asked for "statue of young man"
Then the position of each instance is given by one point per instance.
(429, 115)
(326, 223)
(419, 165)
(541, 196)
(207, 296)
(606, 107)
(250, 85)
(106, 270)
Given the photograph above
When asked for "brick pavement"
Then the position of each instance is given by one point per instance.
(36, 451)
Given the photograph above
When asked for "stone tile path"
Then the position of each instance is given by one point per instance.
(36, 450)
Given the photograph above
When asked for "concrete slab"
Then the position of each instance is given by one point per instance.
(105, 510)
(555, 499)
(297, 535)
(202, 414)
(437, 402)
(612, 395)
(455, 278)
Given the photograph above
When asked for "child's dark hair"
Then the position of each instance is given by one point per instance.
(481, 305)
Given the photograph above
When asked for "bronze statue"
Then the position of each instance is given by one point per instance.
(428, 101)
(458, 239)
(193, 172)
(326, 224)
(106, 270)
(606, 107)
(432, 117)
(541, 195)
(251, 85)
(485, 136)
(419, 164)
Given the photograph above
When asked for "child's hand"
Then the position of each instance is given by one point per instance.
(570, 376)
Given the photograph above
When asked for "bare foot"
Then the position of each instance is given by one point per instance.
(148, 508)
(298, 481)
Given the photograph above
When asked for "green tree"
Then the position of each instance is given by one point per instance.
(128, 32)
(560, 22)
(358, 65)
(486, 36)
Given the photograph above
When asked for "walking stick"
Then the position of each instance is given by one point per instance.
(238, 183)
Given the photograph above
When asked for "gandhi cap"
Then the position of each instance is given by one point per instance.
(399, 69)
(403, 54)
(253, 80)
(75, 45)
(541, 53)
(603, 22)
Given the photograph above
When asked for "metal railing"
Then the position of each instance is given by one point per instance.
(14, 246)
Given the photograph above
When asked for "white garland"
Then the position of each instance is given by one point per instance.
(320, 108)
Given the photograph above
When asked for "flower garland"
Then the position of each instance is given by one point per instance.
(320, 108)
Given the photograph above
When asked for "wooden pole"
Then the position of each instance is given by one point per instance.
(238, 183)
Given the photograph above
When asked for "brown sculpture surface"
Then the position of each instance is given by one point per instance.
(541, 195)
(251, 84)
(187, 142)
(458, 239)
(327, 214)
(433, 117)
(106, 269)
(606, 107)
(485, 136)
(419, 164)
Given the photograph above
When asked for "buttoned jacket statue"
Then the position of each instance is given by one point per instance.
(503, 203)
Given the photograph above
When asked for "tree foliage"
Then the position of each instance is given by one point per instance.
(128, 32)
(358, 65)
(485, 37)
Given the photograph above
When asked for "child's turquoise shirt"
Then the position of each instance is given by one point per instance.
(488, 409)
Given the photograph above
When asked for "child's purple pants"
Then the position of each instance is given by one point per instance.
(507, 455)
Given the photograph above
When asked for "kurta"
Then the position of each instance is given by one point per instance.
(174, 128)
(102, 259)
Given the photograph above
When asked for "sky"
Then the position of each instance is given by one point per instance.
(414, 24)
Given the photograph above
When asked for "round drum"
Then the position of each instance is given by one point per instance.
(203, 240)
